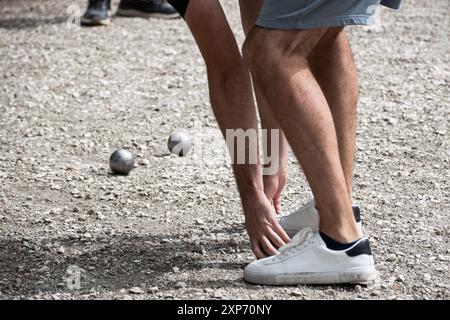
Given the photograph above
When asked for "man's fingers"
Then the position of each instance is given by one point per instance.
(270, 187)
(275, 239)
(277, 203)
(268, 247)
(257, 250)
(279, 230)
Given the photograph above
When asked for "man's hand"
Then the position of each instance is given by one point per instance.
(273, 188)
(266, 235)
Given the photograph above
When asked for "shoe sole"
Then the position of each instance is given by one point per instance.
(94, 22)
(139, 14)
(362, 275)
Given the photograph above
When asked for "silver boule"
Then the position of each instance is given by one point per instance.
(179, 143)
(121, 161)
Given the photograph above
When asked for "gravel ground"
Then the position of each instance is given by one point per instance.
(173, 228)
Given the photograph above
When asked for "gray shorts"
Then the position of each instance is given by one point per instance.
(312, 14)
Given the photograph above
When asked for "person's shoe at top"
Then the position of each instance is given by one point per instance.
(147, 9)
(98, 11)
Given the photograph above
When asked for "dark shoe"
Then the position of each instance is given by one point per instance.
(97, 13)
(147, 9)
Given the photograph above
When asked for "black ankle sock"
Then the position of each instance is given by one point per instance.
(333, 244)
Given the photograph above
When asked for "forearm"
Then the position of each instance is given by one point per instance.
(232, 102)
(229, 82)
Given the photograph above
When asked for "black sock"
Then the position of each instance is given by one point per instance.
(333, 244)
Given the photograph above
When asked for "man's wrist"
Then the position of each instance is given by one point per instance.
(249, 180)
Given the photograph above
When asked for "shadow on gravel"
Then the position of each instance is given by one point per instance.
(109, 263)
(113, 262)
(27, 23)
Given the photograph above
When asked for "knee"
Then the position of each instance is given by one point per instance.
(270, 54)
(258, 54)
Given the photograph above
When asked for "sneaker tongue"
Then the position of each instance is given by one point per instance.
(301, 203)
(301, 237)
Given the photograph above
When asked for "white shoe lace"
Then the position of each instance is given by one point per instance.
(300, 240)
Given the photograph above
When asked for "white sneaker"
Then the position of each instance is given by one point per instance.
(307, 260)
(307, 216)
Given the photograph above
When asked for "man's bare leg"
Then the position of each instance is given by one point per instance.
(333, 67)
(232, 102)
(278, 60)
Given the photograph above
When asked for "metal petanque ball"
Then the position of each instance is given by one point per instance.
(179, 143)
(121, 161)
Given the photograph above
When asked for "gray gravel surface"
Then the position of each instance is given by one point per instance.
(173, 228)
